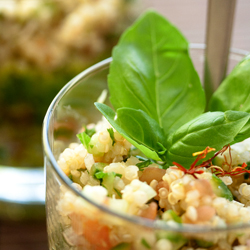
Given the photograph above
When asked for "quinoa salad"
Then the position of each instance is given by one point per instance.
(112, 176)
(159, 155)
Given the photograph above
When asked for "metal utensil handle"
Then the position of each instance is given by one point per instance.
(220, 16)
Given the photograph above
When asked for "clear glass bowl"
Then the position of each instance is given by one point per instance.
(94, 226)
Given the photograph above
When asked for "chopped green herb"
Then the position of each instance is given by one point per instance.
(97, 167)
(85, 139)
(82, 170)
(107, 181)
(177, 239)
(89, 132)
(119, 175)
(145, 243)
(203, 243)
(118, 192)
(111, 133)
(70, 177)
(171, 215)
(122, 246)
(248, 165)
(100, 175)
(144, 164)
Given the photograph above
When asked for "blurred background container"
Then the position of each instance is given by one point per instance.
(43, 44)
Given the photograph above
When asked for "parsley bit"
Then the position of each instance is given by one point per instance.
(89, 132)
(144, 164)
(111, 134)
(145, 243)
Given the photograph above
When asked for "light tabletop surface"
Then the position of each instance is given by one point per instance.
(190, 17)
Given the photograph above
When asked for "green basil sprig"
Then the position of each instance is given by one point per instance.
(152, 71)
(214, 129)
(158, 98)
(234, 92)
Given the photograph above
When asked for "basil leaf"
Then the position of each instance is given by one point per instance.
(128, 131)
(152, 71)
(234, 91)
(244, 133)
(142, 128)
(214, 129)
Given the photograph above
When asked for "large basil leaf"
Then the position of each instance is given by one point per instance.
(140, 127)
(214, 129)
(152, 71)
(244, 133)
(234, 91)
(137, 127)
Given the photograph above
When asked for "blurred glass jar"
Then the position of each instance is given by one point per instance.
(43, 44)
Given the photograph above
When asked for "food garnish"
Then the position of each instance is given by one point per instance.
(159, 101)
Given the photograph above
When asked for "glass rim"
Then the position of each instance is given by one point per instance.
(151, 224)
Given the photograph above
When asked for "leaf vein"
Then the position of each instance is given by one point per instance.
(133, 93)
(175, 100)
(144, 82)
(198, 130)
(155, 67)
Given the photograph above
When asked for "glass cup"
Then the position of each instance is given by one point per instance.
(75, 221)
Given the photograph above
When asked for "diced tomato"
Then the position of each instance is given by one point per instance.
(150, 212)
(97, 235)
